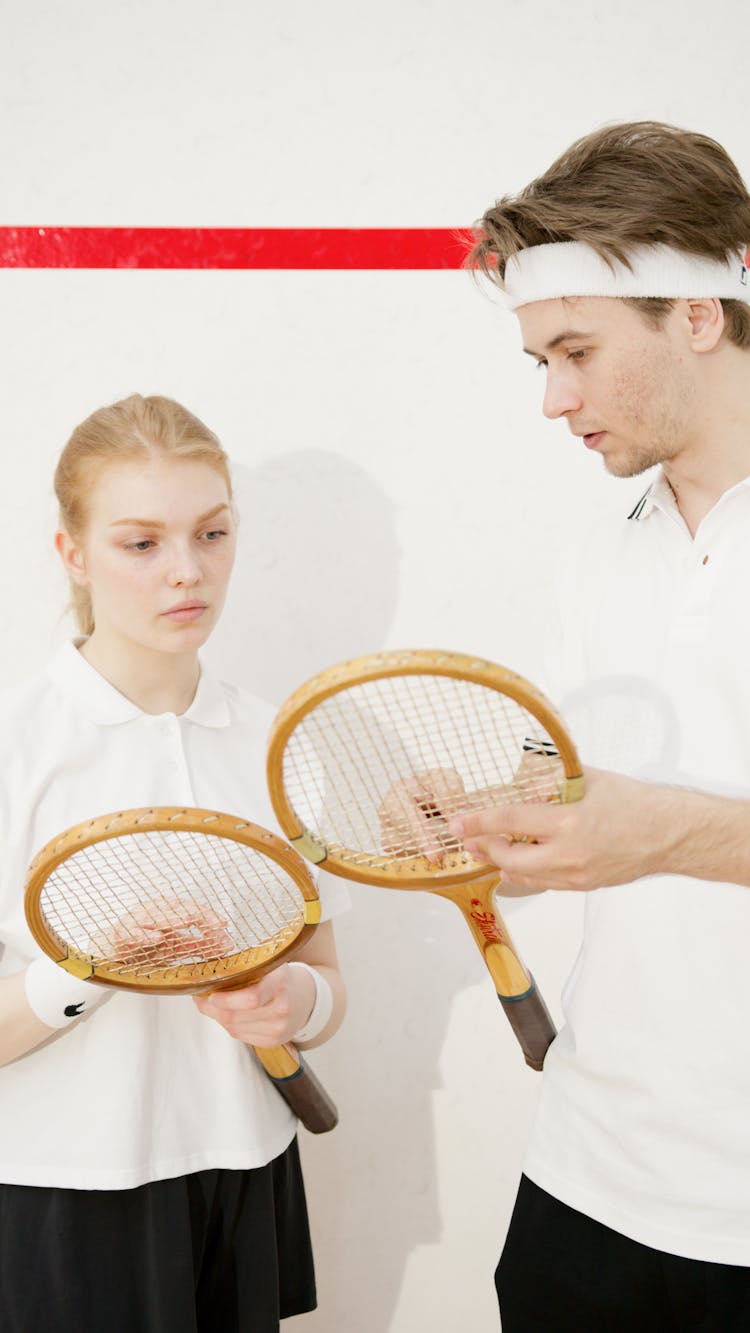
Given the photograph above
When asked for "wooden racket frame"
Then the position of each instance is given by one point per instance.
(284, 1065)
(515, 986)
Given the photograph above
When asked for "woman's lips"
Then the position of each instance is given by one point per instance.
(188, 611)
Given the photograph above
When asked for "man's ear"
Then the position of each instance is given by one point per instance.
(707, 323)
(72, 557)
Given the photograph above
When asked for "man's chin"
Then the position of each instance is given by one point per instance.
(626, 467)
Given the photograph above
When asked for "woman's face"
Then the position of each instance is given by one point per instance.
(157, 552)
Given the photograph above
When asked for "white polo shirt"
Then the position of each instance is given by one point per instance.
(644, 1118)
(144, 1087)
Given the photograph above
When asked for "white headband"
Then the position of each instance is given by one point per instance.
(572, 268)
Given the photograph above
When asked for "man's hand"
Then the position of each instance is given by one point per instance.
(621, 830)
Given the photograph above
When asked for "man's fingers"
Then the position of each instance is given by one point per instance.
(527, 822)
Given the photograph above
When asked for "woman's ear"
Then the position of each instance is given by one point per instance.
(72, 557)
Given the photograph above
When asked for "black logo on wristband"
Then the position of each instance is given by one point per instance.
(73, 1010)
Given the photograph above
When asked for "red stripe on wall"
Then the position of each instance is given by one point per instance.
(234, 247)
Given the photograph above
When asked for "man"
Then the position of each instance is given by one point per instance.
(626, 264)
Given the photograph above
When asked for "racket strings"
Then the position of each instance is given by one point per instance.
(155, 901)
(379, 768)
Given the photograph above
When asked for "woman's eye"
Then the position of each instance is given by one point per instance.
(540, 365)
(214, 534)
(144, 545)
(578, 354)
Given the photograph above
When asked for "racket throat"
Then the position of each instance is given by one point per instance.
(310, 847)
(78, 965)
(490, 934)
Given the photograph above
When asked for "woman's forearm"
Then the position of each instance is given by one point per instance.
(20, 1028)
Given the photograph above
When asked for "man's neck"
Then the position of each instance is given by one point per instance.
(718, 457)
(696, 497)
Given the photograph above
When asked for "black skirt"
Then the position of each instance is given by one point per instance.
(218, 1249)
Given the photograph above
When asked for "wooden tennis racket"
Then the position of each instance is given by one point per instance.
(369, 760)
(169, 901)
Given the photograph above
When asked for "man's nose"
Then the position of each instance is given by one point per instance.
(560, 395)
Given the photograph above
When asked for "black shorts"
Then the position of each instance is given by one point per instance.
(219, 1249)
(561, 1272)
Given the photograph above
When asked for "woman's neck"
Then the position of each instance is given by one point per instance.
(156, 682)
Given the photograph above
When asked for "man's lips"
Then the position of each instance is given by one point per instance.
(185, 611)
(592, 439)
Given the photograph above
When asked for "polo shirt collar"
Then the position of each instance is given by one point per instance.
(106, 706)
(661, 496)
(658, 496)
(209, 707)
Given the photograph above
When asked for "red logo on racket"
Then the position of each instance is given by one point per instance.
(487, 923)
(745, 267)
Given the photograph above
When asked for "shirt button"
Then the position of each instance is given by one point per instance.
(704, 561)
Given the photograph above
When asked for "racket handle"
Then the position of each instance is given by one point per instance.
(298, 1085)
(530, 1020)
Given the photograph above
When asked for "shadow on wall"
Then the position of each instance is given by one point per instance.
(373, 1184)
(316, 578)
(316, 581)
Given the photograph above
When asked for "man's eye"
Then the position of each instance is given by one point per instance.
(541, 365)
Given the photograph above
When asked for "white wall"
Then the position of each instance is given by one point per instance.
(399, 486)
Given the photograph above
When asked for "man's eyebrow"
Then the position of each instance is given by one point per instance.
(567, 335)
(156, 523)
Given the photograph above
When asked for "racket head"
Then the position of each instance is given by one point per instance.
(243, 900)
(344, 739)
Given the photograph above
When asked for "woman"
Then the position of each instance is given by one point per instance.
(150, 1168)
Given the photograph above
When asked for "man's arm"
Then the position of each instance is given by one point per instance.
(621, 830)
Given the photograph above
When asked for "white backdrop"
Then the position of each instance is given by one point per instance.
(397, 483)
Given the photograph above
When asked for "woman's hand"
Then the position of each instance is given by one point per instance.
(164, 931)
(267, 1013)
(274, 1009)
(414, 815)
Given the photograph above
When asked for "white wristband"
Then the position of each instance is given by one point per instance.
(322, 1008)
(56, 997)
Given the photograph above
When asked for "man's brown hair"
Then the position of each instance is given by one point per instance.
(631, 184)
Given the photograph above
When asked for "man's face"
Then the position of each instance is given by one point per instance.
(626, 388)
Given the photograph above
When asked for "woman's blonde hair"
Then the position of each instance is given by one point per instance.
(134, 428)
(636, 183)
